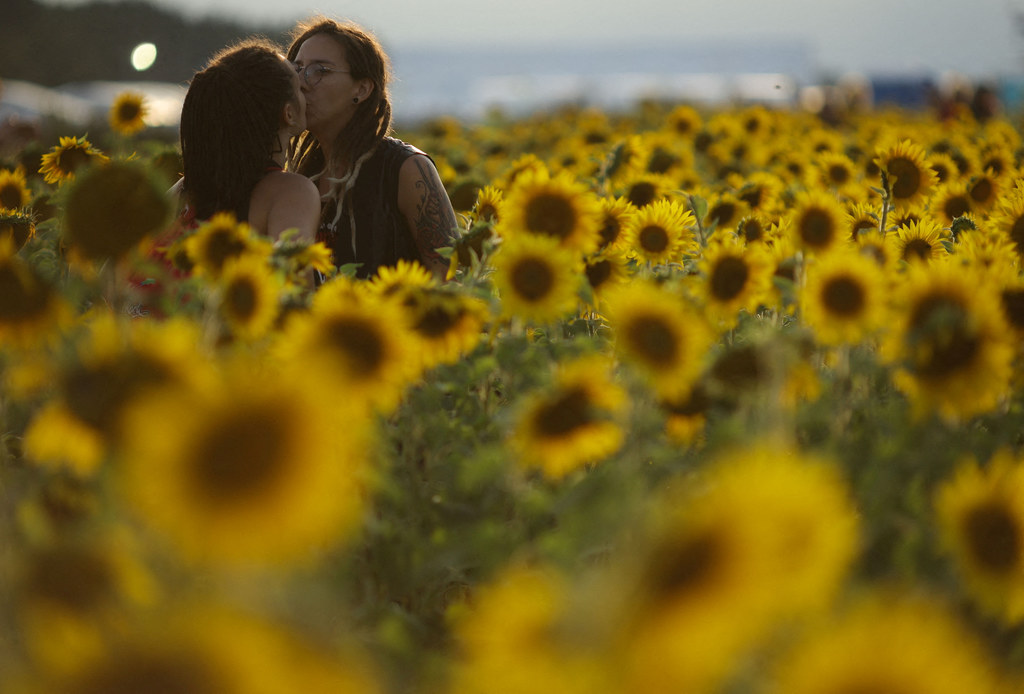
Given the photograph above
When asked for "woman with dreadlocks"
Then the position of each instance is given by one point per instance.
(383, 199)
(239, 115)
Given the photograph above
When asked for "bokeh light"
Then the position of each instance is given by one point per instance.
(143, 56)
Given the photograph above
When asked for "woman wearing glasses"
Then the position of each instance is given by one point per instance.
(239, 114)
(383, 198)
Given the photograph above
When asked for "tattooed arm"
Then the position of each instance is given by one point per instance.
(426, 207)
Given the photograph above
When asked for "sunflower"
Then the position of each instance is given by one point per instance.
(128, 113)
(447, 324)
(604, 272)
(906, 166)
(683, 121)
(920, 241)
(615, 215)
(736, 277)
(221, 238)
(659, 333)
(926, 651)
(537, 279)
(761, 191)
(753, 228)
(487, 208)
(110, 209)
(950, 342)
(686, 415)
(255, 469)
(404, 276)
(249, 296)
(981, 515)
(816, 221)
(644, 188)
(860, 218)
(945, 168)
(361, 345)
(951, 200)
(1007, 219)
(574, 422)
(984, 189)
(14, 192)
(17, 227)
(659, 233)
(725, 210)
(557, 206)
(836, 172)
(60, 163)
(29, 307)
(843, 299)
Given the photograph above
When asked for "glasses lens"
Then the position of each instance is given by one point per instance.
(312, 74)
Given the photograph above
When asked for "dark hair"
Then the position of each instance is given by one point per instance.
(371, 122)
(229, 125)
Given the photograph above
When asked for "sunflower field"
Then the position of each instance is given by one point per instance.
(719, 400)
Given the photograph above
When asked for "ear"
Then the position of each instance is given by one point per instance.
(289, 116)
(364, 89)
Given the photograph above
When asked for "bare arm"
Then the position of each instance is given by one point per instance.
(296, 205)
(426, 207)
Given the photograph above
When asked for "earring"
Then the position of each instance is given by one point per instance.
(355, 99)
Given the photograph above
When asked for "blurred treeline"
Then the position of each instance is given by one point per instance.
(52, 45)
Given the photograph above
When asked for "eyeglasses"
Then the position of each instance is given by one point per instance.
(314, 72)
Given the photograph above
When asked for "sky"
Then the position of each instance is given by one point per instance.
(978, 38)
(974, 37)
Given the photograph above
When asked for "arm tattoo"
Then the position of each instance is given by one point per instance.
(435, 222)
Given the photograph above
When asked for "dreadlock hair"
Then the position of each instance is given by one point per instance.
(229, 125)
(371, 122)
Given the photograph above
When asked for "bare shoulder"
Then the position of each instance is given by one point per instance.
(288, 183)
(284, 200)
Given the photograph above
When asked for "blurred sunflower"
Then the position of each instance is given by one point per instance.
(556, 206)
(984, 189)
(220, 238)
(395, 281)
(951, 200)
(487, 207)
(448, 324)
(574, 422)
(128, 113)
(615, 215)
(686, 415)
(910, 177)
(658, 332)
(843, 299)
(73, 153)
(642, 189)
(949, 340)
(816, 221)
(725, 210)
(256, 468)
(761, 191)
(945, 168)
(30, 308)
(981, 515)
(860, 217)
(753, 228)
(17, 227)
(920, 241)
(836, 172)
(249, 296)
(659, 233)
(537, 279)
(604, 272)
(684, 121)
(110, 209)
(1008, 219)
(360, 345)
(927, 650)
(736, 277)
(14, 192)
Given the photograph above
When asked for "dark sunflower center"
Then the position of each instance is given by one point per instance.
(98, 394)
(917, 248)
(753, 196)
(240, 454)
(436, 321)
(740, 369)
(982, 190)
(838, 174)
(641, 193)
(722, 214)
(728, 278)
(22, 296)
(1013, 307)
(906, 177)
(686, 565)
(653, 239)
(551, 215)
(939, 326)
(843, 296)
(993, 536)
(653, 340)
(610, 230)
(153, 672)
(563, 414)
(128, 111)
(1017, 235)
(532, 279)
(221, 246)
(10, 196)
(817, 228)
(75, 579)
(358, 341)
(72, 158)
(752, 230)
(487, 212)
(956, 206)
(240, 299)
(598, 273)
(661, 161)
